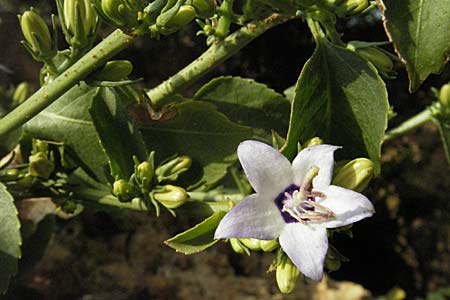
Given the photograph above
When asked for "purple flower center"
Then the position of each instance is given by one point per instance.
(283, 197)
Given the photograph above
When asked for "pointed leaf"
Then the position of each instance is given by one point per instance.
(10, 239)
(247, 102)
(420, 31)
(202, 133)
(341, 98)
(197, 238)
(68, 120)
(117, 136)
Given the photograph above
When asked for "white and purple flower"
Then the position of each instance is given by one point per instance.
(295, 203)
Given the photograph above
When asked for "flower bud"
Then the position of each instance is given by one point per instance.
(40, 165)
(355, 175)
(21, 93)
(114, 70)
(172, 197)
(9, 174)
(204, 8)
(349, 8)
(312, 142)
(36, 34)
(377, 57)
(185, 15)
(250, 243)
(124, 191)
(237, 246)
(268, 246)
(287, 275)
(80, 19)
(332, 264)
(173, 168)
(122, 13)
(144, 174)
(444, 97)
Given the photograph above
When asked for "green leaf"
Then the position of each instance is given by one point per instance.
(341, 98)
(247, 102)
(119, 139)
(420, 31)
(10, 239)
(68, 120)
(197, 238)
(202, 133)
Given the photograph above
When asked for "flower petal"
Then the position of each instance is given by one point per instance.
(321, 156)
(306, 246)
(268, 170)
(254, 217)
(348, 206)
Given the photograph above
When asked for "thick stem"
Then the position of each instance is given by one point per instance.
(410, 124)
(215, 55)
(47, 94)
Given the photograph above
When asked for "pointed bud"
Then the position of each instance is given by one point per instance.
(37, 34)
(21, 93)
(354, 175)
(40, 165)
(124, 191)
(237, 246)
(444, 97)
(185, 15)
(114, 70)
(377, 57)
(312, 142)
(287, 275)
(250, 243)
(349, 8)
(173, 168)
(268, 246)
(80, 19)
(172, 196)
(204, 8)
(144, 174)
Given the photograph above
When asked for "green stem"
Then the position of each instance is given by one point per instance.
(316, 30)
(202, 204)
(410, 124)
(47, 94)
(215, 55)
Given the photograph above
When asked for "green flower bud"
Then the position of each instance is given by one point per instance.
(122, 13)
(312, 142)
(332, 264)
(444, 97)
(237, 246)
(9, 174)
(21, 93)
(37, 34)
(80, 19)
(144, 173)
(250, 243)
(114, 70)
(377, 57)
(185, 15)
(287, 275)
(40, 165)
(124, 191)
(172, 197)
(268, 246)
(204, 8)
(349, 8)
(173, 168)
(355, 175)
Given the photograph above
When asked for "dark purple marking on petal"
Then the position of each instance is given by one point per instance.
(279, 202)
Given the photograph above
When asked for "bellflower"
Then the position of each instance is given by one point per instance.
(295, 203)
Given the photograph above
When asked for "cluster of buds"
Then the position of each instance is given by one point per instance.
(348, 8)
(244, 245)
(149, 183)
(79, 22)
(121, 13)
(171, 17)
(38, 40)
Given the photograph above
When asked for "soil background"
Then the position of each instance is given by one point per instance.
(103, 255)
